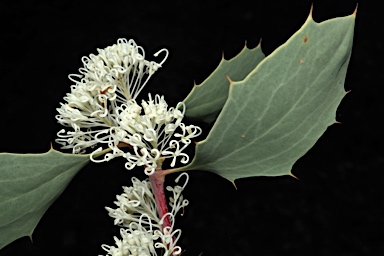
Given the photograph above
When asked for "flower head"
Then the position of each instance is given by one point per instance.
(135, 240)
(102, 110)
(142, 231)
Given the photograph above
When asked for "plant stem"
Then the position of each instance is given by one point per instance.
(157, 183)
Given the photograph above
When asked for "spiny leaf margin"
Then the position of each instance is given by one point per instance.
(199, 103)
(239, 146)
(29, 184)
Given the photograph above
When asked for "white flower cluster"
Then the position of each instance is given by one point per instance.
(101, 109)
(142, 231)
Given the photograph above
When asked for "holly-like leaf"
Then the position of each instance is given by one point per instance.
(200, 105)
(29, 184)
(278, 112)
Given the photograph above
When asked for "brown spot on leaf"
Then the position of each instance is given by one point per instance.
(305, 39)
(301, 61)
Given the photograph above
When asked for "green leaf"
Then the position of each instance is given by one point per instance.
(200, 105)
(29, 184)
(278, 112)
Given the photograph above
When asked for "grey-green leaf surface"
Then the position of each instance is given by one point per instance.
(278, 112)
(29, 184)
(200, 105)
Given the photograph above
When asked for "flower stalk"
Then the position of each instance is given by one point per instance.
(157, 184)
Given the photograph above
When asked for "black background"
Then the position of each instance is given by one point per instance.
(336, 208)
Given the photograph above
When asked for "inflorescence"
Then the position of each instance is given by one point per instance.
(101, 109)
(142, 231)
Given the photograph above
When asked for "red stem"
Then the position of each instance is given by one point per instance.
(157, 183)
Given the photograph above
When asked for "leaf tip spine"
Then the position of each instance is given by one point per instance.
(355, 11)
(337, 122)
(229, 80)
(51, 149)
(310, 17)
(234, 184)
(311, 10)
(259, 44)
(293, 176)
